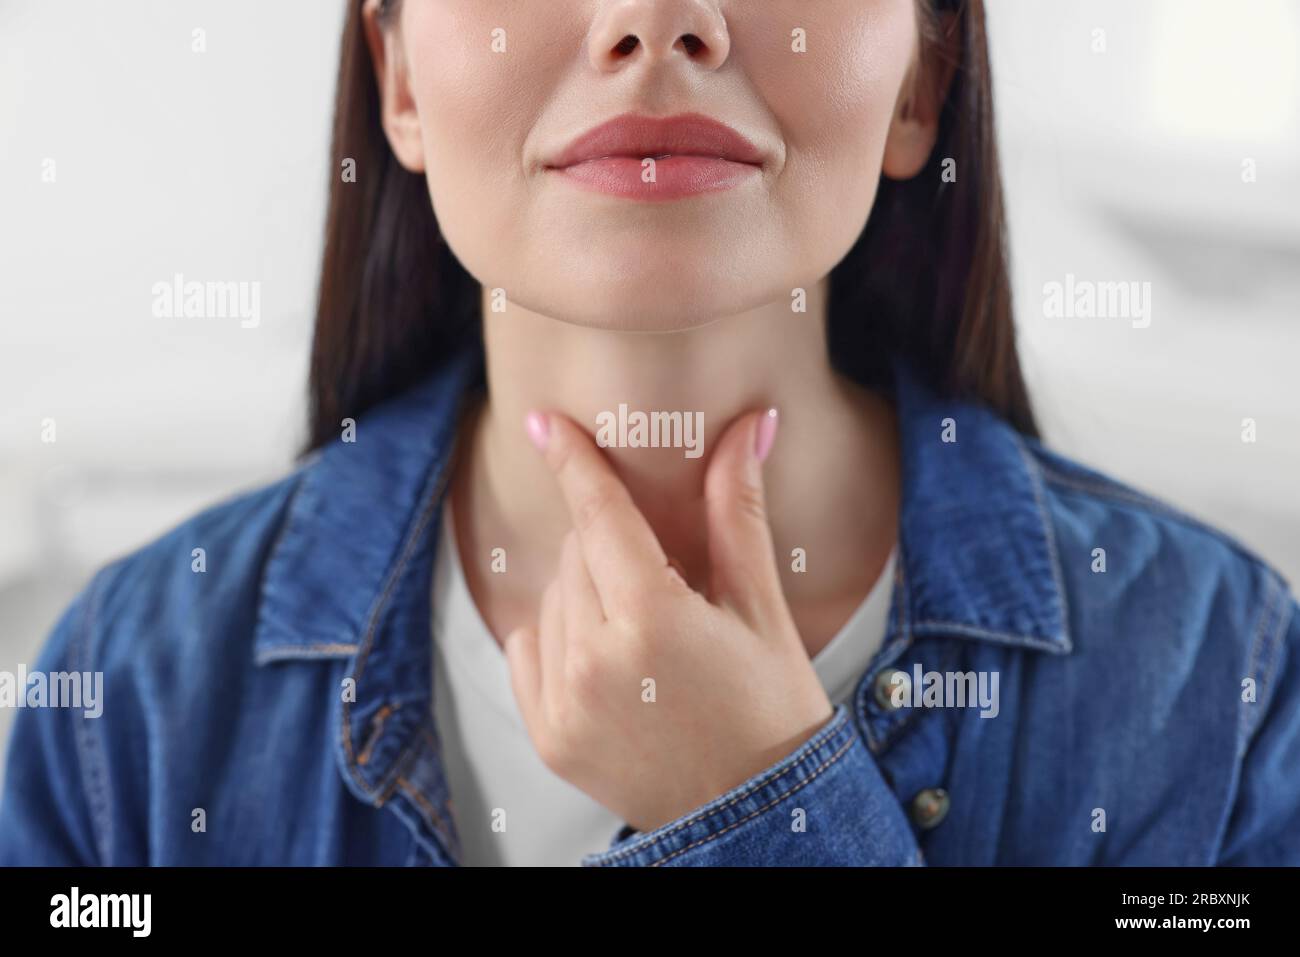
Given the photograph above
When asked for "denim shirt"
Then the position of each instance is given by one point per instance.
(275, 707)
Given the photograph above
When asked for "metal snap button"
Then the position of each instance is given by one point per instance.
(930, 807)
(887, 686)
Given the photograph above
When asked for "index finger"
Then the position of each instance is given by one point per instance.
(621, 550)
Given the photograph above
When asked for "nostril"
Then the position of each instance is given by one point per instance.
(692, 43)
(689, 42)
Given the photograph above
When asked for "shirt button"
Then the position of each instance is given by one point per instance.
(930, 807)
(886, 686)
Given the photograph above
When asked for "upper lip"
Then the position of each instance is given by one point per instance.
(641, 137)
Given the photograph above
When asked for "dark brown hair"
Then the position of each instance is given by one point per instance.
(926, 279)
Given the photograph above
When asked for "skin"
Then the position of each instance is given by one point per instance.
(667, 566)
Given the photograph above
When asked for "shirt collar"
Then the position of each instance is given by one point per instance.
(357, 513)
(977, 551)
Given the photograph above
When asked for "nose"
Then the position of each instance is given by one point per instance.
(656, 31)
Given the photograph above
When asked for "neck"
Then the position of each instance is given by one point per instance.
(830, 482)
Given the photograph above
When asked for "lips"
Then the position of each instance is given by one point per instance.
(692, 154)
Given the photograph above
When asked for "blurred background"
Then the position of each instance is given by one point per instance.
(1152, 142)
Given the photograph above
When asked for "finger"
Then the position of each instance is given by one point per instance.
(525, 673)
(582, 611)
(743, 574)
(621, 551)
(551, 641)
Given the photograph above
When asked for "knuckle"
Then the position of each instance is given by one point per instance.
(742, 498)
(626, 629)
(593, 506)
(633, 635)
(637, 606)
(748, 500)
(560, 452)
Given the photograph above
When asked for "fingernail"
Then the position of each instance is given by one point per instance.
(765, 435)
(538, 428)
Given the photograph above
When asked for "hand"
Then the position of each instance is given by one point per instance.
(640, 691)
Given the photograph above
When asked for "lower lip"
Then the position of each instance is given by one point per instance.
(676, 177)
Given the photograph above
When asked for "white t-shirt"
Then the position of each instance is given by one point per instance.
(493, 771)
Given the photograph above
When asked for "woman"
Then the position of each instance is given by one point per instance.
(662, 509)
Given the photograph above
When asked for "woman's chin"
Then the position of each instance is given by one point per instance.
(661, 305)
(647, 323)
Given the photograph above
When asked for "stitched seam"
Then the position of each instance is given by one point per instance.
(372, 627)
(1151, 505)
(439, 480)
(1274, 591)
(452, 838)
(403, 765)
(300, 475)
(1049, 533)
(308, 651)
(435, 818)
(812, 745)
(776, 800)
(1283, 623)
(1243, 722)
(1113, 492)
(973, 631)
(376, 729)
(436, 753)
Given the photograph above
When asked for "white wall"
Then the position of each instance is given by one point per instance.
(1127, 165)
(212, 165)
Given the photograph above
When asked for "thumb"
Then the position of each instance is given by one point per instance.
(743, 573)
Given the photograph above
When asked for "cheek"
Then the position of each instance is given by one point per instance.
(834, 104)
(477, 92)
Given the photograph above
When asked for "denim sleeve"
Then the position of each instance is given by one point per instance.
(1264, 826)
(45, 806)
(824, 804)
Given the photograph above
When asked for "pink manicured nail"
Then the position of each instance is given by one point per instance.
(539, 429)
(765, 435)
